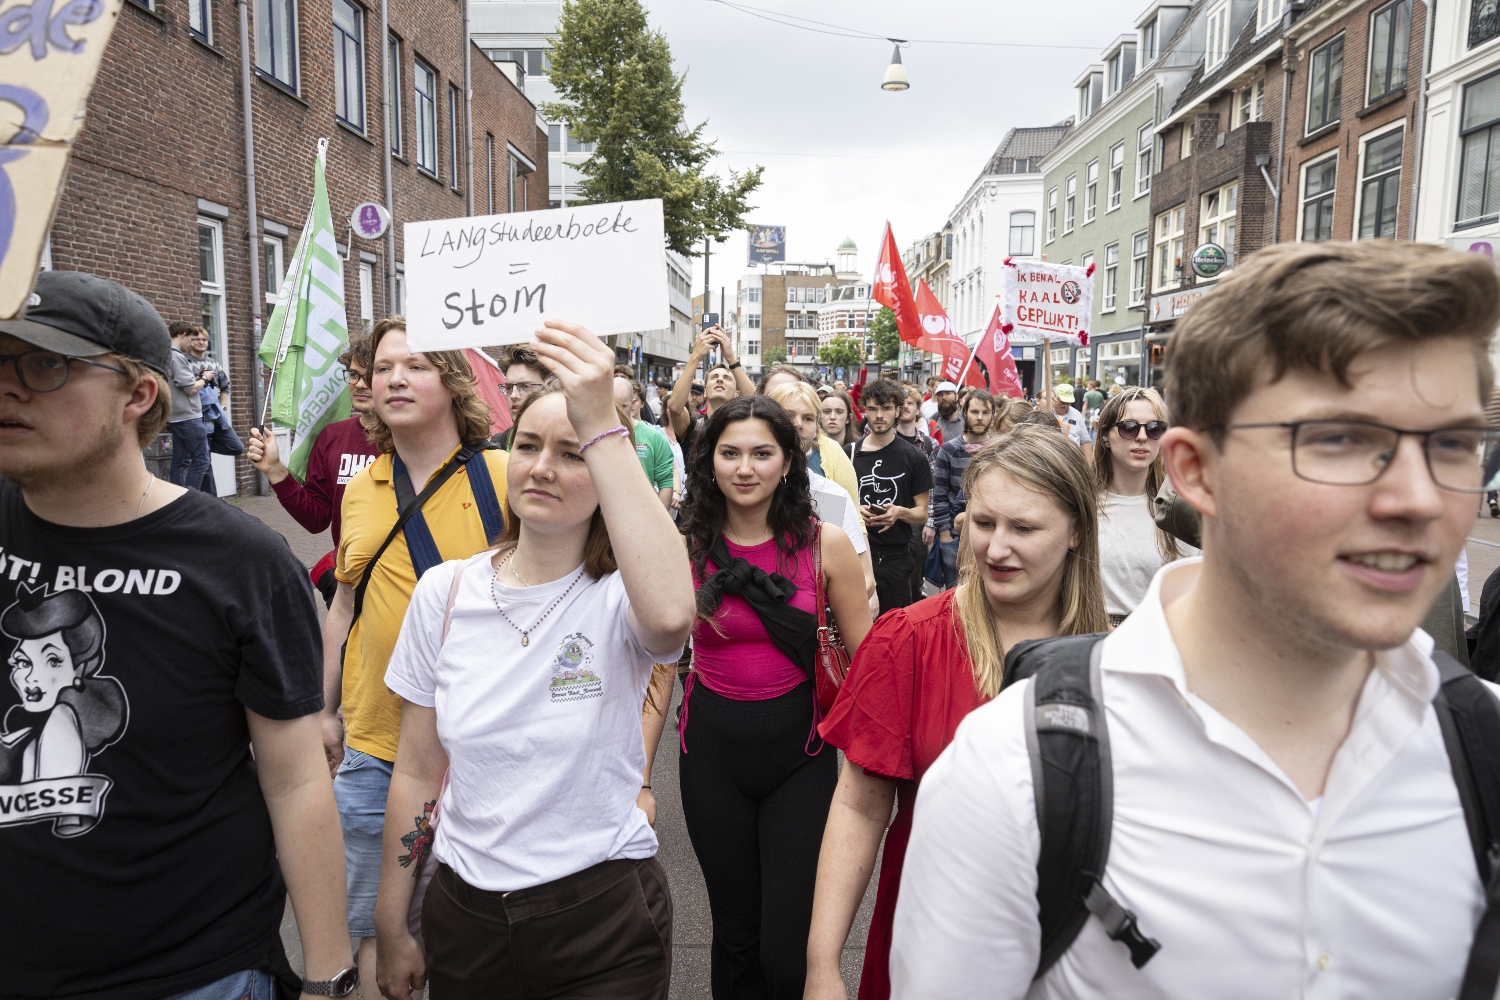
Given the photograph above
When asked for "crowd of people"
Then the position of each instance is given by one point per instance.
(1153, 664)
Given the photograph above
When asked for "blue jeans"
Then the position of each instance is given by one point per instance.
(360, 789)
(222, 440)
(251, 984)
(189, 452)
(949, 551)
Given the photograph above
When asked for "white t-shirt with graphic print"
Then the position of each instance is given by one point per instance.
(543, 740)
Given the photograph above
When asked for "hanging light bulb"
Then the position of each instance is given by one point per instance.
(895, 73)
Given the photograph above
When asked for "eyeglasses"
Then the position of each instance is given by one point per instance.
(47, 371)
(511, 388)
(355, 377)
(1356, 452)
(1131, 429)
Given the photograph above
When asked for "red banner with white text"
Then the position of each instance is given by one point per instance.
(939, 337)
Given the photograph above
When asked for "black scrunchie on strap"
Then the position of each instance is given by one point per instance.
(792, 630)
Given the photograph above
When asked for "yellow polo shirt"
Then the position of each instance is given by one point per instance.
(372, 712)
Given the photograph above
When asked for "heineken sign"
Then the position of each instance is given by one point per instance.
(1209, 260)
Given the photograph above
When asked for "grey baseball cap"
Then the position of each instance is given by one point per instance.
(83, 315)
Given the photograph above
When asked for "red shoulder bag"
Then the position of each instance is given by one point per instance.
(833, 658)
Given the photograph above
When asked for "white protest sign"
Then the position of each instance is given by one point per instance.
(493, 279)
(1040, 301)
(49, 54)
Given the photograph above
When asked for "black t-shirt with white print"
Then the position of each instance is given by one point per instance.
(896, 474)
(139, 854)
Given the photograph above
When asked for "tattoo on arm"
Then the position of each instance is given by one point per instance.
(418, 842)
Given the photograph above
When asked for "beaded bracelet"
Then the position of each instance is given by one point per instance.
(617, 429)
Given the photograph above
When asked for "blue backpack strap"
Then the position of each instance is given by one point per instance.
(483, 487)
(1072, 779)
(419, 541)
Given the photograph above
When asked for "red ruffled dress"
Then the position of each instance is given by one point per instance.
(909, 687)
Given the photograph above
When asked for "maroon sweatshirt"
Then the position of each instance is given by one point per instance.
(340, 451)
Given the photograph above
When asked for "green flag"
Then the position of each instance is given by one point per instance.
(307, 333)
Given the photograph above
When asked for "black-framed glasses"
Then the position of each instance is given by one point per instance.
(354, 377)
(511, 388)
(1356, 452)
(1131, 429)
(47, 371)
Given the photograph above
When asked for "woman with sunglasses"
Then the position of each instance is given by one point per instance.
(1127, 463)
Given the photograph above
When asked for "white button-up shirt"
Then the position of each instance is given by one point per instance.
(1251, 891)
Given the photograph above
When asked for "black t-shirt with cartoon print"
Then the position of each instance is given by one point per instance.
(138, 850)
(896, 474)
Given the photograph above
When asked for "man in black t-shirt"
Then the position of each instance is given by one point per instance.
(152, 634)
(894, 483)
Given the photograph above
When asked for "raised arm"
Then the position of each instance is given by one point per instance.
(653, 562)
(677, 403)
(741, 380)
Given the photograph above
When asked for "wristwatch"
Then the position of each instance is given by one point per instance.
(734, 366)
(341, 985)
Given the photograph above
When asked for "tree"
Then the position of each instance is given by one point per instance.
(773, 356)
(887, 338)
(842, 352)
(614, 77)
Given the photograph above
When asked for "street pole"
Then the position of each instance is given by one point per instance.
(262, 485)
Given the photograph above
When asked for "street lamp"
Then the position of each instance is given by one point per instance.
(895, 73)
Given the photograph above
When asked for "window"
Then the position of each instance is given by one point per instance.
(1185, 148)
(1390, 42)
(453, 133)
(1069, 202)
(791, 296)
(349, 63)
(1484, 21)
(1091, 192)
(513, 199)
(271, 267)
(1327, 86)
(574, 146)
(1120, 69)
(211, 283)
(533, 62)
(1116, 175)
(1267, 13)
(1217, 43)
(275, 40)
(1318, 181)
(393, 86)
(1145, 141)
(1479, 176)
(1022, 234)
(1217, 217)
(1168, 269)
(1051, 215)
(1249, 104)
(1148, 43)
(1111, 275)
(198, 19)
(426, 104)
(1089, 94)
(554, 138)
(754, 295)
(751, 347)
(489, 173)
(400, 294)
(367, 295)
(1140, 248)
(1380, 185)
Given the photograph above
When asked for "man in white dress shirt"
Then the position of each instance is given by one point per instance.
(1285, 818)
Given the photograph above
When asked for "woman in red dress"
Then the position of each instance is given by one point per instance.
(1028, 569)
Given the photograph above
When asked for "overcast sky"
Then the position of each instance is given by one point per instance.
(842, 155)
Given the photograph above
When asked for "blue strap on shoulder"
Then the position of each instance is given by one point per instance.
(419, 541)
(485, 499)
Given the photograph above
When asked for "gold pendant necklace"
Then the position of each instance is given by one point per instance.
(526, 632)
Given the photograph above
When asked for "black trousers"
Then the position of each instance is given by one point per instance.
(755, 804)
(893, 570)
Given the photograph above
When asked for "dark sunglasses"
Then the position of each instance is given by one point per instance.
(1131, 429)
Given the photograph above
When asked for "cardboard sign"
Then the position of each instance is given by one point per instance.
(493, 279)
(1041, 301)
(49, 53)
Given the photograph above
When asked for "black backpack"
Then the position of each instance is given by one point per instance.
(1071, 773)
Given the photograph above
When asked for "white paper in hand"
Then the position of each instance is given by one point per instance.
(830, 506)
(493, 279)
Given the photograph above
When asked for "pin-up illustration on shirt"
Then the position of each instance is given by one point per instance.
(573, 676)
(68, 713)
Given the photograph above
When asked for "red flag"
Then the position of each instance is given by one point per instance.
(491, 389)
(939, 338)
(994, 350)
(892, 289)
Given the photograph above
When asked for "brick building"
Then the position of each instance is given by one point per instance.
(156, 197)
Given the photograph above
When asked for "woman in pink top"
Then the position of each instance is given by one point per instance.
(756, 779)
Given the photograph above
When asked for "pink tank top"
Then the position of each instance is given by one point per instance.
(737, 659)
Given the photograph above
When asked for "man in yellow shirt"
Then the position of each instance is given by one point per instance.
(431, 428)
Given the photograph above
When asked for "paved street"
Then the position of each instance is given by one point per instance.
(692, 927)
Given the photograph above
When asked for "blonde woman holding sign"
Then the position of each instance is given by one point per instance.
(531, 703)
